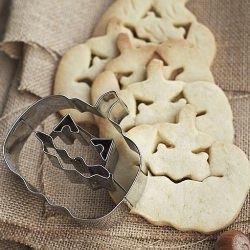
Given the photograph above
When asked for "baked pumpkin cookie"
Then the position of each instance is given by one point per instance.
(194, 182)
(157, 100)
(156, 21)
(128, 58)
(81, 64)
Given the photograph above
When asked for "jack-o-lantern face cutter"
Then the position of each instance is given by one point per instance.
(97, 176)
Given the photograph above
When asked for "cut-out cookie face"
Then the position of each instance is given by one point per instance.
(130, 65)
(181, 145)
(182, 61)
(159, 100)
(80, 65)
(195, 183)
(160, 20)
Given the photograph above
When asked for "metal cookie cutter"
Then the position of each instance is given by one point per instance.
(98, 176)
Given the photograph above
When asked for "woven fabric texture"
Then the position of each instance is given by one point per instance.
(34, 35)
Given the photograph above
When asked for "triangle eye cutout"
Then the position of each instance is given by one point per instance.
(138, 102)
(168, 145)
(154, 11)
(66, 121)
(103, 146)
(178, 97)
(175, 73)
(185, 26)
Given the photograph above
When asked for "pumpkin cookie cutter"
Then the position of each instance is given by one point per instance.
(98, 176)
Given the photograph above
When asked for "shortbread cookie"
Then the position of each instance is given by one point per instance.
(158, 100)
(181, 59)
(80, 65)
(174, 150)
(160, 20)
(131, 64)
(184, 62)
(195, 183)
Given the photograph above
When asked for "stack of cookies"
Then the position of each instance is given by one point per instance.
(157, 57)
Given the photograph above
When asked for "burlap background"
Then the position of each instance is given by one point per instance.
(36, 33)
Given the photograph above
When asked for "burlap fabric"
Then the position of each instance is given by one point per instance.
(36, 33)
(7, 245)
